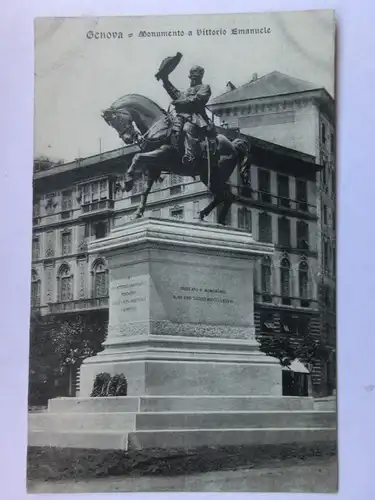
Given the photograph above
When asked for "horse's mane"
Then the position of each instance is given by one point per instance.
(139, 99)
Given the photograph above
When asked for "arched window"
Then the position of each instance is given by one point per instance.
(100, 279)
(35, 289)
(303, 280)
(285, 281)
(65, 283)
(266, 279)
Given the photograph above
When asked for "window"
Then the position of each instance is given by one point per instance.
(177, 212)
(244, 183)
(283, 190)
(266, 275)
(301, 194)
(333, 182)
(35, 249)
(264, 185)
(285, 282)
(325, 216)
(303, 280)
(50, 244)
(100, 230)
(332, 144)
(138, 186)
(244, 218)
(66, 243)
(100, 279)
(323, 133)
(284, 232)
(156, 213)
(95, 191)
(265, 228)
(35, 289)
(302, 235)
(50, 204)
(103, 185)
(65, 285)
(67, 200)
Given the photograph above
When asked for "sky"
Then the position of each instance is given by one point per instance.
(77, 76)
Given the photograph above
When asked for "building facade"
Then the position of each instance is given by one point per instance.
(78, 202)
(299, 115)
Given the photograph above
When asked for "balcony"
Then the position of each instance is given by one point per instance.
(269, 200)
(78, 305)
(95, 207)
(290, 302)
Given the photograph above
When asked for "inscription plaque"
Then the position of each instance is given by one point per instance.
(129, 300)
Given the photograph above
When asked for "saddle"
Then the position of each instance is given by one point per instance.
(160, 133)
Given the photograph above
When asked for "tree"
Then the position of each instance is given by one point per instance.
(43, 360)
(76, 338)
(288, 347)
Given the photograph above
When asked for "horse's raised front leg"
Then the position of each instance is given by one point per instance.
(143, 162)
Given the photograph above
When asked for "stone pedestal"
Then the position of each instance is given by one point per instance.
(181, 329)
(181, 312)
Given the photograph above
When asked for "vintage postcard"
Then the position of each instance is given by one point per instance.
(183, 274)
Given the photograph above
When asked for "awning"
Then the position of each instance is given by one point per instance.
(297, 366)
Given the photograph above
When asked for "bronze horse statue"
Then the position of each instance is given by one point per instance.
(157, 156)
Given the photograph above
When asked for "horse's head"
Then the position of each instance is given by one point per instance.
(122, 122)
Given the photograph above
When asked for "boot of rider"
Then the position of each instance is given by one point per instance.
(176, 132)
(191, 145)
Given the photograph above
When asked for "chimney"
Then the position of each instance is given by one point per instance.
(254, 77)
(230, 86)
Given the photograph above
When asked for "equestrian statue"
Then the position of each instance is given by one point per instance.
(181, 141)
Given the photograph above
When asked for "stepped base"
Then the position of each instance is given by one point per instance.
(169, 423)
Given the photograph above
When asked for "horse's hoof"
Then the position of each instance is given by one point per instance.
(137, 216)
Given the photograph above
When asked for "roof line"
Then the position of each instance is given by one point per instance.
(269, 96)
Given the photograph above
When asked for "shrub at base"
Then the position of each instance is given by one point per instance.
(105, 385)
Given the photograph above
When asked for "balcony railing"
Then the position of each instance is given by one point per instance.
(97, 206)
(279, 300)
(78, 305)
(266, 198)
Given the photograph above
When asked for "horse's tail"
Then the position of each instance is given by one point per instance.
(242, 148)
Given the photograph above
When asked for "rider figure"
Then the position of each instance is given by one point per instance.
(190, 113)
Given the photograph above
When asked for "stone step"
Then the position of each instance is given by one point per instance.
(100, 440)
(49, 421)
(195, 438)
(224, 403)
(165, 421)
(244, 420)
(179, 404)
(91, 405)
(328, 403)
(178, 439)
